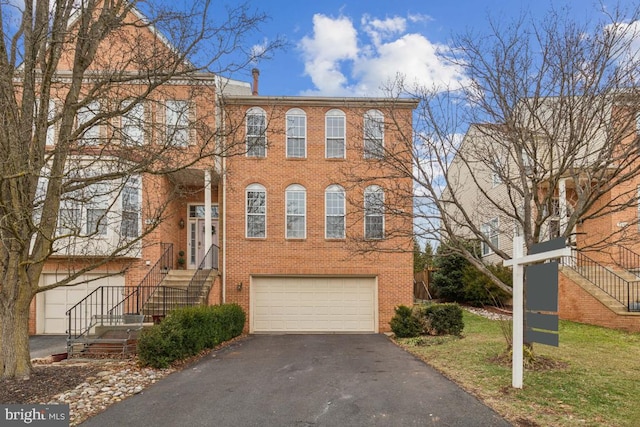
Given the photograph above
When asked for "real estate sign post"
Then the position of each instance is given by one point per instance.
(540, 297)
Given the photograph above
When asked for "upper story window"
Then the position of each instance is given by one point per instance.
(130, 224)
(177, 121)
(334, 197)
(98, 197)
(87, 119)
(335, 134)
(133, 124)
(296, 202)
(256, 210)
(256, 132)
(51, 114)
(296, 121)
(490, 229)
(373, 135)
(373, 212)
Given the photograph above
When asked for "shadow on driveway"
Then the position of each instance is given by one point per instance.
(46, 345)
(303, 380)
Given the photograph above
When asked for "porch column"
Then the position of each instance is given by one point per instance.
(207, 214)
(562, 201)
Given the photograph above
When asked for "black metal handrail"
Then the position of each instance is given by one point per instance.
(624, 291)
(136, 300)
(83, 315)
(209, 262)
(113, 301)
(628, 260)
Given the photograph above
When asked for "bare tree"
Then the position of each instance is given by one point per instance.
(96, 98)
(551, 145)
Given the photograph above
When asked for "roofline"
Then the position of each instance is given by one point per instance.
(318, 100)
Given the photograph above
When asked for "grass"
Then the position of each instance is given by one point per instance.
(598, 385)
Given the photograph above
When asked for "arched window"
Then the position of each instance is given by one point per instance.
(296, 205)
(256, 132)
(373, 135)
(256, 211)
(334, 201)
(296, 122)
(335, 129)
(373, 212)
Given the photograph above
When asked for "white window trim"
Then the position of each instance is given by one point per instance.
(296, 112)
(133, 120)
(182, 109)
(295, 188)
(334, 189)
(255, 111)
(377, 116)
(489, 230)
(374, 189)
(254, 188)
(91, 135)
(335, 113)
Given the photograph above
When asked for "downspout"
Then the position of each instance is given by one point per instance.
(220, 140)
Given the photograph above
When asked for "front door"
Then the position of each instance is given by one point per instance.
(196, 230)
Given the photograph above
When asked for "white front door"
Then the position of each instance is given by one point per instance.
(196, 229)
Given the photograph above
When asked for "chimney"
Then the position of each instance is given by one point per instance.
(256, 75)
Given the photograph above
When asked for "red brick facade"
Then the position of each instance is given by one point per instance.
(315, 255)
(578, 305)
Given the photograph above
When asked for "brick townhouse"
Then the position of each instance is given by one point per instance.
(288, 201)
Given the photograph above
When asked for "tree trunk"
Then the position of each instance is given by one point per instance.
(15, 361)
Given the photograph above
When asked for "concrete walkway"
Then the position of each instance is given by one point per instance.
(303, 380)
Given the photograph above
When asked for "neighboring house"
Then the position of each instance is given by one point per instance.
(281, 210)
(599, 283)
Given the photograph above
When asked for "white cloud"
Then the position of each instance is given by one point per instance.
(333, 41)
(379, 30)
(344, 61)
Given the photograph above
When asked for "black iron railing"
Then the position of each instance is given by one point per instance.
(83, 316)
(208, 263)
(624, 291)
(628, 260)
(136, 300)
(112, 302)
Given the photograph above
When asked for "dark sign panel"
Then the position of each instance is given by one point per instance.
(541, 285)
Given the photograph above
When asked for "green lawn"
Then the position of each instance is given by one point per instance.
(599, 385)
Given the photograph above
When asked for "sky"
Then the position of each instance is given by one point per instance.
(352, 48)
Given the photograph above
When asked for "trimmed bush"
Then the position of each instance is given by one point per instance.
(439, 319)
(187, 331)
(404, 324)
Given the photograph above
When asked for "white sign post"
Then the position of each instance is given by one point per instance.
(518, 262)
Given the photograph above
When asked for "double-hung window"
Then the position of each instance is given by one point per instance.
(256, 210)
(335, 212)
(373, 135)
(87, 120)
(256, 133)
(373, 212)
(133, 124)
(296, 133)
(335, 134)
(490, 230)
(97, 198)
(129, 226)
(70, 213)
(177, 121)
(296, 203)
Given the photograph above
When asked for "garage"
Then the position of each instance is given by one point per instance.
(314, 304)
(52, 305)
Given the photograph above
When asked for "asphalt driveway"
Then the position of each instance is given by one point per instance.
(303, 380)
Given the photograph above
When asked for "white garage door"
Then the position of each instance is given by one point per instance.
(313, 304)
(53, 304)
